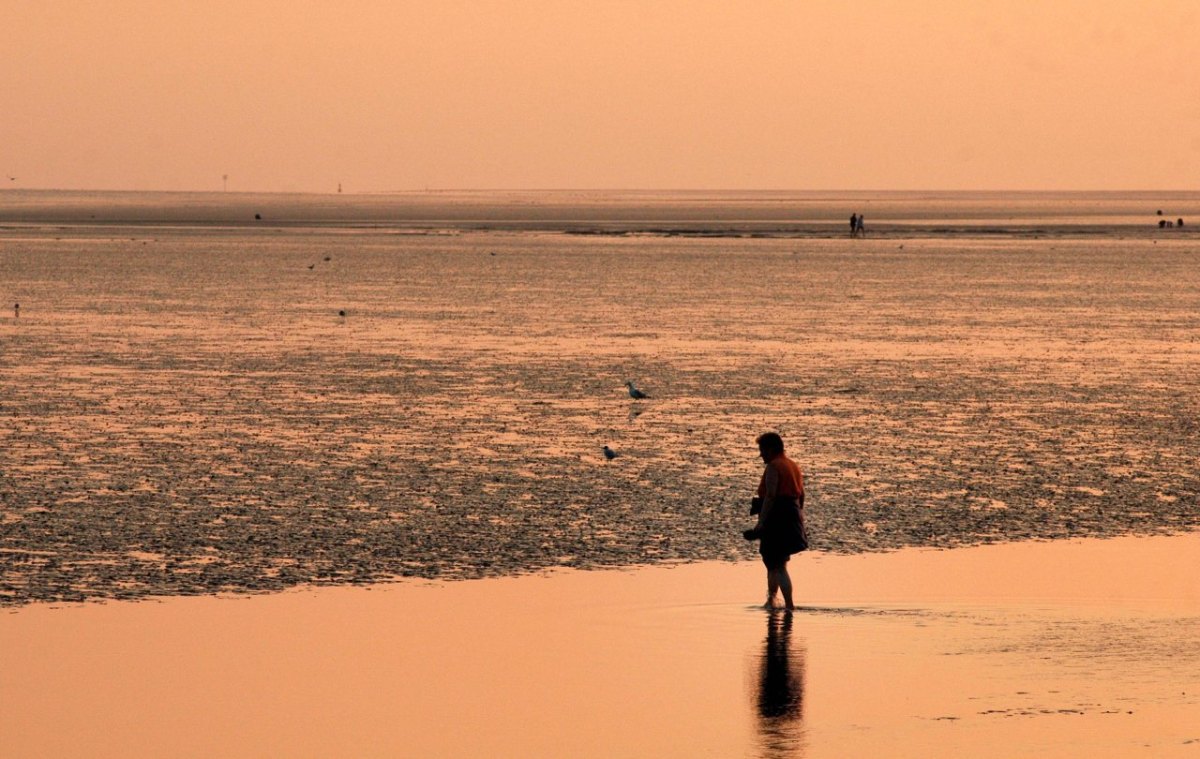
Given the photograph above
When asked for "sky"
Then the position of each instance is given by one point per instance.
(288, 95)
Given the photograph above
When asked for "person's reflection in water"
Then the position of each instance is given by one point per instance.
(781, 690)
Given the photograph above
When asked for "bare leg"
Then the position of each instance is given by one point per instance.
(784, 581)
(772, 588)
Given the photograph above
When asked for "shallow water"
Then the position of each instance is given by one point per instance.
(1048, 649)
(186, 412)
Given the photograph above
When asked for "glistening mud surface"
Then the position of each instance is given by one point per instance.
(184, 411)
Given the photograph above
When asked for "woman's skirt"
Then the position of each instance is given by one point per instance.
(783, 533)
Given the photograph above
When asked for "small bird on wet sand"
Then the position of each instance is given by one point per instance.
(634, 392)
(609, 453)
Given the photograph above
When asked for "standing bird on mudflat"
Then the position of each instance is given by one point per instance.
(634, 392)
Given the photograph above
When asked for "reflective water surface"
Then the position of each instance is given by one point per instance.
(1041, 649)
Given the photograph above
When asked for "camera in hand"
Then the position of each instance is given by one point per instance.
(751, 534)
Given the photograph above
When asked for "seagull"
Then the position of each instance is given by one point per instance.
(609, 453)
(634, 392)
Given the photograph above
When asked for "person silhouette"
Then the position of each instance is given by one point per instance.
(859, 228)
(780, 508)
(853, 224)
(780, 693)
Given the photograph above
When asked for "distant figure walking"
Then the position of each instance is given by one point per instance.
(634, 393)
(780, 508)
(853, 224)
(858, 227)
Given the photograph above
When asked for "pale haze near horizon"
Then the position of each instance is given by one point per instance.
(382, 96)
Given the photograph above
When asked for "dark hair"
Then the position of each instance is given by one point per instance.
(770, 442)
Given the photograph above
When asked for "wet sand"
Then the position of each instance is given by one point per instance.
(1049, 649)
(185, 411)
(195, 404)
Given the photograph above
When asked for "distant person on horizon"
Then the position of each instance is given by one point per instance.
(780, 508)
(853, 224)
(859, 228)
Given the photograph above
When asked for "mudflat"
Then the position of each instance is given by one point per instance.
(194, 407)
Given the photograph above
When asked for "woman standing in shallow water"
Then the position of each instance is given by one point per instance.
(780, 528)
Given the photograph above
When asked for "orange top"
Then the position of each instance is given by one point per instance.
(788, 475)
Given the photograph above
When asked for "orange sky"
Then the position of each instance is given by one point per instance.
(292, 95)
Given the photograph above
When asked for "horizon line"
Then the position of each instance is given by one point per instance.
(632, 190)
